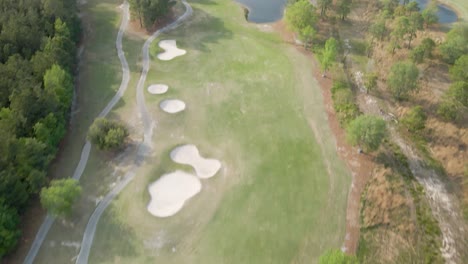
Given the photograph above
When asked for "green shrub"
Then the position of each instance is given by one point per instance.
(415, 119)
(343, 103)
(107, 134)
(367, 131)
(337, 257)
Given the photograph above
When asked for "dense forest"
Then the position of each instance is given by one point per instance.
(149, 11)
(37, 60)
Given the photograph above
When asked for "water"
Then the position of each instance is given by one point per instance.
(446, 15)
(264, 11)
(267, 11)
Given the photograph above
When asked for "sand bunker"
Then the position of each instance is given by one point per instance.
(188, 154)
(171, 191)
(171, 50)
(158, 88)
(172, 106)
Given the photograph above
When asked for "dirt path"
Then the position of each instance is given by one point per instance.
(144, 148)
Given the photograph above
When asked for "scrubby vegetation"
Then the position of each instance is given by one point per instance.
(393, 51)
(37, 60)
(107, 134)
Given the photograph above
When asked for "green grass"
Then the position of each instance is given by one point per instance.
(460, 6)
(252, 103)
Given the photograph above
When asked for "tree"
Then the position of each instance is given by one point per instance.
(412, 6)
(366, 131)
(403, 79)
(107, 134)
(328, 56)
(454, 102)
(423, 51)
(415, 24)
(459, 92)
(149, 11)
(401, 30)
(59, 197)
(324, 5)
(49, 130)
(378, 29)
(343, 8)
(35, 35)
(59, 85)
(9, 230)
(459, 71)
(456, 43)
(415, 119)
(337, 257)
(307, 34)
(429, 14)
(300, 15)
(390, 5)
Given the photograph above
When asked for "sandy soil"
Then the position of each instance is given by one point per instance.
(171, 191)
(171, 50)
(158, 88)
(172, 106)
(189, 154)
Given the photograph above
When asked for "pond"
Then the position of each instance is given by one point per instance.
(264, 11)
(267, 11)
(446, 14)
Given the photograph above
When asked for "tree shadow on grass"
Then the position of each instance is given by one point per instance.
(105, 243)
(200, 30)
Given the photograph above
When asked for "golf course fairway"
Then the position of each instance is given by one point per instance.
(253, 104)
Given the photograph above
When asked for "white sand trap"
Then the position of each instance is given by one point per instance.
(171, 50)
(171, 191)
(172, 106)
(188, 154)
(158, 88)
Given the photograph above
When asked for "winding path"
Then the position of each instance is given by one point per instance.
(49, 220)
(143, 149)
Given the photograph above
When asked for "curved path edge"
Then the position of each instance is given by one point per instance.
(143, 149)
(49, 220)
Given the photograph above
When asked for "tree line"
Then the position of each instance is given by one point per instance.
(149, 11)
(37, 61)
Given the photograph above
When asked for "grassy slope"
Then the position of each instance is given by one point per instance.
(250, 100)
(461, 7)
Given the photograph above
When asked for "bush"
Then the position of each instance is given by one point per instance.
(343, 103)
(107, 134)
(337, 257)
(415, 119)
(454, 102)
(367, 131)
(449, 110)
(403, 79)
